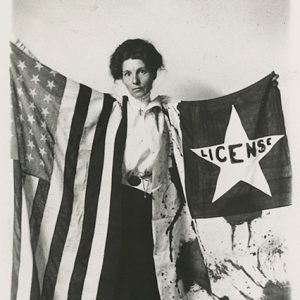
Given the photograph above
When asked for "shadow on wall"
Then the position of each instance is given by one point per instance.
(193, 90)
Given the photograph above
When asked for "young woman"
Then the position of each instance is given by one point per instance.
(161, 257)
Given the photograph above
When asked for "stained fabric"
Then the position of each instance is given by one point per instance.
(69, 143)
(233, 159)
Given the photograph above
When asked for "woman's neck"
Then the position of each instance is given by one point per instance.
(145, 98)
(142, 101)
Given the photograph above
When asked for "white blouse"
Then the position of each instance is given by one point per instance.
(145, 124)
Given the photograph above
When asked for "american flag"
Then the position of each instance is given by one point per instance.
(67, 136)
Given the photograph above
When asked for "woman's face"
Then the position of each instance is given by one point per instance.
(137, 78)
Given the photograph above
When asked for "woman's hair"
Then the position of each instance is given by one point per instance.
(135, 49)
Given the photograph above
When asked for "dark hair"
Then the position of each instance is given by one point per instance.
(135, 49)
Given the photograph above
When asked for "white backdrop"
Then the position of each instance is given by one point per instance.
(211, 48)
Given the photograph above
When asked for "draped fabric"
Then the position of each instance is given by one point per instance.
(69, 141)
(68, 146)
(233, 158)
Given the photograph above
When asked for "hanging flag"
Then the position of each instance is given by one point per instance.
(236, 152)
(68, 143)
(68, 146)
(233, 158)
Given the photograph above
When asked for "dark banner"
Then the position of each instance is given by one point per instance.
(236, 152)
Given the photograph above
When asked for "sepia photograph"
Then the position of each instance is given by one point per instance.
(150, 150)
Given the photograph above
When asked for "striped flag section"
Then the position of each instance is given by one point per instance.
(70, 142)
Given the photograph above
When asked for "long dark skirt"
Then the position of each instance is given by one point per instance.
(137, 279)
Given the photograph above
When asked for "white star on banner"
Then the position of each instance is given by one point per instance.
(22, 65)
(50, 84)
(30, 131)
(38, 65)
(42, 163)
(35, 79)
(238, 158)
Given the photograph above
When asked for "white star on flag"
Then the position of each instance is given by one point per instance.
(20, 78)
(31, 105)
(42, 151)
(30, 131)
(35, 79)
(43, 124)
(45, 112)
(20, 91)
(42, 163)
(38, 65)
(31, 119)
(53, 73)
(22, 65)
(29, 157)
(50, 84)
(47, 98)
(21, 117)
(32, 92)
(43, 138)
(236, 160)
(30, 145)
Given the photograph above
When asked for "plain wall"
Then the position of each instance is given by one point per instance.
(211, 48)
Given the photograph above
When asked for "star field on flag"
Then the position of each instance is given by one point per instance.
(39, 96)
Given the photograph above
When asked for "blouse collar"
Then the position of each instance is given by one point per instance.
(145, 104)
